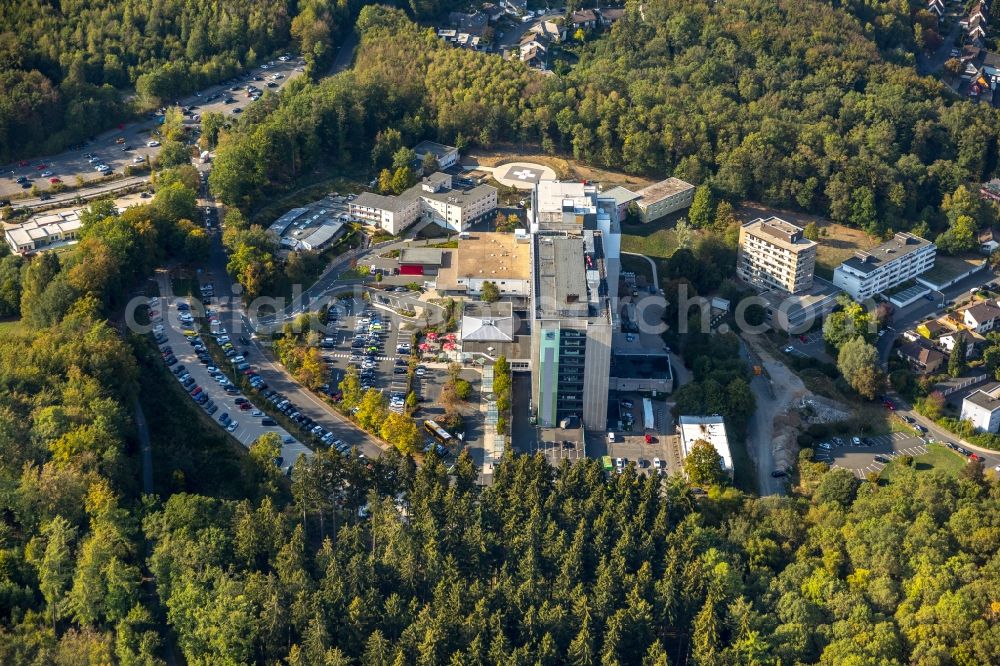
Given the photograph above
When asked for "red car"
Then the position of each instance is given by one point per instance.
(803, 339)
(888, 405)
(245, 406)
(54, 180)
(40, 167)
(973, 456)
(23, 163)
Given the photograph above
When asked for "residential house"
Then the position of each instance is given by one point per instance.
(471, 23)
(936, 6)
(613, 14)
(973, 342)
(553, 30)
(977, 23)
(981, 317)
(534, 50)
(515, 7)
(923, 358)
(584, 19)
(932, 330)
(988, 242)
(493, 12)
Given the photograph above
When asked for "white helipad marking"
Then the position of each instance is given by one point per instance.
(523, 174)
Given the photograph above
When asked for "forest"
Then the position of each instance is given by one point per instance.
(68, 69)
(793, 104)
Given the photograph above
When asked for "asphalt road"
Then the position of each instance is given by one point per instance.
(71, 164)
(991, 458)
(230, 312)
(249, 428)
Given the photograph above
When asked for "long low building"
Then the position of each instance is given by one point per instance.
(53, 229)
(875, 271)
(433, 199)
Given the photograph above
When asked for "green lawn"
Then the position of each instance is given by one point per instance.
(12, 327)
(938, 457)
(651, 240)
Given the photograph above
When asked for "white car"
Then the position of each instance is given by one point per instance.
(789, 350)
(856, 441)
(256, 413)
(138, 159)
(152, 144)
(233, 425)
(619, 463)
(657, 463)
(824, 445)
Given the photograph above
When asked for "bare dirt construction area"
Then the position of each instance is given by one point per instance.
(565, 168)
(779, 419)
(836, 242)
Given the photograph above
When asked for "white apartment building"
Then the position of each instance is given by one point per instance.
(774, 254)
(892, 263)
(393, 214)
(982, 408)
(432, 199)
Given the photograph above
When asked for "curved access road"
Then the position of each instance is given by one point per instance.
(652, 264)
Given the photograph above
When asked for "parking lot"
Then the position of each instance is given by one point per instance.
(860, 456)
(557, 445)
(195, 374)
(808, 345)
(121, 146)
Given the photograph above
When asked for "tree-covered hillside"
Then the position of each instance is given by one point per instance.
(788, 103)
(66, 67)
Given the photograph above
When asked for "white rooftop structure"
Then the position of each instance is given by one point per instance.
(711, 429)
(43, 231)
(323, 235)
(280, 226)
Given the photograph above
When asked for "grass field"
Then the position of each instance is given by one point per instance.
(12, 327)
(652, 240)
(937, 457)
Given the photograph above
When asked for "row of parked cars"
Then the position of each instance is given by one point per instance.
(305, 423)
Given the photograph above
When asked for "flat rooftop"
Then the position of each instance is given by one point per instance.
(562, 277)
(779, 232)
(552, 194)
(663, 189)
(492, 256)
(427, 256)
(902, 244)
(620, 194)
(711, 429)
(437, 149)
(987, 397)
